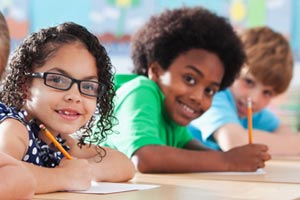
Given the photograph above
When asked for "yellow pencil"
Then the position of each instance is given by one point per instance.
(57, 144)
(249, 109)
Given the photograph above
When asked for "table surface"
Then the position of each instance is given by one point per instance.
(281, 181)
(277, 171)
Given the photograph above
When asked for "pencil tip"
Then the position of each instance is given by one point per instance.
(249, 101)
(42, 127)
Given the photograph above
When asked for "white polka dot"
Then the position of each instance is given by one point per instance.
(30, 142)
(37, 160)
(26, 157)
(34, 151)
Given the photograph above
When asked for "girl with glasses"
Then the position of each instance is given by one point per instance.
(61, 78)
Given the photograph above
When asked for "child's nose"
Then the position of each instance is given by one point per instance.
(255, 96)
(73, 94)
(197, 96)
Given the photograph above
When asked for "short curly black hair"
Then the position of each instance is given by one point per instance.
(33, 53)
(173, 32)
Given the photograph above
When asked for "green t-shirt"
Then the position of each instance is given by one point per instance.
(142, 119)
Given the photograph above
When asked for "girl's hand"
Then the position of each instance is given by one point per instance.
(77, 174)
(247, 158)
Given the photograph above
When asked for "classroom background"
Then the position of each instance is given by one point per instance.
(114, 21)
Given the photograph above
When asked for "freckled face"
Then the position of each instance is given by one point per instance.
(247, 86)
(63, 111)
(189, 84)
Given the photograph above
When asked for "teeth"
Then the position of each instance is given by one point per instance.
(188, 109)
(66, 112)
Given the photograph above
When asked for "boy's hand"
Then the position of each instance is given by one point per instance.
(247, 158)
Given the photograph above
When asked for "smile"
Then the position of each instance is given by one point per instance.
(68, 113)
(188, 109)
(188, 112)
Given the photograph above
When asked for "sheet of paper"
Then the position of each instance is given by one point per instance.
(106, 188)
(257, 172)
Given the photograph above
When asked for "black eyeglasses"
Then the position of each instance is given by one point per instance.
(63, 82)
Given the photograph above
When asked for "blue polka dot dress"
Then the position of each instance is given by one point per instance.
(38, 152)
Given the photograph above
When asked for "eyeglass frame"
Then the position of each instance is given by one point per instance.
(43, 76)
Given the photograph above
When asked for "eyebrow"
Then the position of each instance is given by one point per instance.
(196, 70)
(66, 73)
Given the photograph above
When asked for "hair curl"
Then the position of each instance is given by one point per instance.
(174, 32)
(34, 52)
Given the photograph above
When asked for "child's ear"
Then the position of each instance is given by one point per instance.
(154, 71)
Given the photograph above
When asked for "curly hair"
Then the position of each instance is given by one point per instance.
(269, 57)
(34, 52)
(4, 43)
(174, 32)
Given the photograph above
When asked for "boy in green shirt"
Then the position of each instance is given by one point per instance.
(183, 57)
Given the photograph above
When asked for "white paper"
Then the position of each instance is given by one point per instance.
(106, 187)
(257, 172)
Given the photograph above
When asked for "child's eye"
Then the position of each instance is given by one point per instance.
(210, 91)
(268, 94)
(249, 82)
(189, 79)
(88, 87)
(56, 79)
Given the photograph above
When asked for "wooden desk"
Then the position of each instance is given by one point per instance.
(278, 183)
(286, 158)
(164, 192)
(277, 171)
(183, 189)
(222, 189)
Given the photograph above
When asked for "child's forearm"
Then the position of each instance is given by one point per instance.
(114, 167)
(13, 179)
(48, 179)
(69, 175)
(279, 142)
(287, 144)
(165, 159)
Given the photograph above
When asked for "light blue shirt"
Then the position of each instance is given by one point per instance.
(224, 111)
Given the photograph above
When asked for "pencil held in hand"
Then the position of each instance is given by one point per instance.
(249, 110)
(57, 144)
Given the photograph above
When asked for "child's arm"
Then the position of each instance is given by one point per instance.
(166, 159)
(284, 129)
(15, 177)
(69, 175)
(282, 142)
(73, 174)
(114, 167)
(196, 145)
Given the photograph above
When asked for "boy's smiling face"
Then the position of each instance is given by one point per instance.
(248, 86)
(189, 84)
